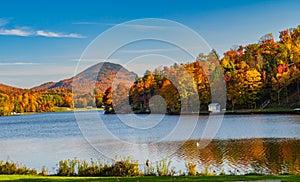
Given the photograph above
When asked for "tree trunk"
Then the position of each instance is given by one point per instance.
(298, 94)
(286, 95)
(278, 97)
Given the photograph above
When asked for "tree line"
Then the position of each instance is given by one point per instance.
(34, 101)
(250, 77)
(254, 75)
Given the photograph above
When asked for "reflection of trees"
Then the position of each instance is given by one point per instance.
(290, 156)
(273, 156)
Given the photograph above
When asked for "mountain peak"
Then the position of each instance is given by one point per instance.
(101, 74)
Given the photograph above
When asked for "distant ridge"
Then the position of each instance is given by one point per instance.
(44, 86)
(103, 73)
(9, 89)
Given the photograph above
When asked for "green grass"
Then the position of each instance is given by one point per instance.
(62, 109)
(266, 110)
(150, 178)
(277, 109)
(86, 109)
(66, 109)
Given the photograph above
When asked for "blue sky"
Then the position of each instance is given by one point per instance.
(41, 41)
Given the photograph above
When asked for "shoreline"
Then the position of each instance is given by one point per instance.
(242, 112)
(201, 113)
(261, 112)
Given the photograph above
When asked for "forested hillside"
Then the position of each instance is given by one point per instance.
(46, 97)
(255, 75)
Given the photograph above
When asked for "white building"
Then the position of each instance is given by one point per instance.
(214, 107)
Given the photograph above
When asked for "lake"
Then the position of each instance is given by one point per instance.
(234, 143)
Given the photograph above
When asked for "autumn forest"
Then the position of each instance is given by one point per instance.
(254, 76)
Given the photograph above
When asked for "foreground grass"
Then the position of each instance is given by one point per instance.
(150, 178)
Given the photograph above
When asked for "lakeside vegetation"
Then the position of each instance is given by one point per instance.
(124, 170)
(153, 178)
(255, 156)
(264, 74)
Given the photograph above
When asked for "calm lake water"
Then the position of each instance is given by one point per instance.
(233, 143)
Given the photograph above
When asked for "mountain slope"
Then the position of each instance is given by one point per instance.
(99, 76)
(9, 89)
(44, 86)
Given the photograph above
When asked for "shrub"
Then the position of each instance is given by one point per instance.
(67, 167)
(191, 168)
(15, 168)
(93, 169)
(125, 167)
(44, 171)
(163, 168)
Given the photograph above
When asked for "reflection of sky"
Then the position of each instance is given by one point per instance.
(260, 126)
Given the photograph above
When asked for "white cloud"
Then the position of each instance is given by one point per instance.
(57, 35)
(27, 31)
(15, 32)
(17, 64)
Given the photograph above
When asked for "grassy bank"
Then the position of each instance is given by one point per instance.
(265, 111)
(66, 109)
(151, 178)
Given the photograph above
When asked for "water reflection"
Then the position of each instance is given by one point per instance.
(232, 156)
(243, 144)
(240, 156)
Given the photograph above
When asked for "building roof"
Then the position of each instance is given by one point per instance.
(214, 104)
